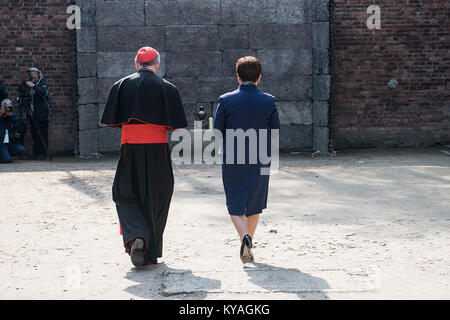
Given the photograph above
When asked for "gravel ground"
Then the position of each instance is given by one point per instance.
(366, 224)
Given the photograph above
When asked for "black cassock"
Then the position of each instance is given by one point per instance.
(143, 184)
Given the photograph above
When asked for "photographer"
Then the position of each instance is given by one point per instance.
(9, 127)
(39, 113)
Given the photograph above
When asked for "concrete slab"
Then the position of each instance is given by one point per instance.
(266, 280)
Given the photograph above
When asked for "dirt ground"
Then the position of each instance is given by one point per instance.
(366, 224)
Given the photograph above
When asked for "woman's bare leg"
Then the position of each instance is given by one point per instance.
(245, 225)
(252, 223)
(240, 223)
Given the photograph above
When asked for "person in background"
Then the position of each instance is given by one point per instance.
(40, 113)
(9, 127)
(3, 92)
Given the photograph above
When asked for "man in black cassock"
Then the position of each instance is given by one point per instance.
(143, 184)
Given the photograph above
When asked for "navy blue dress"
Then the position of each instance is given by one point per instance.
(246, 108)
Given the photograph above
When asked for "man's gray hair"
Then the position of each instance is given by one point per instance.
(6, 102)
(149, 63)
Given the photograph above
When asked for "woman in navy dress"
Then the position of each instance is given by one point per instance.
(250, 111)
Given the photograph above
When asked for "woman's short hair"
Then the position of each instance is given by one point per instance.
(248, 68)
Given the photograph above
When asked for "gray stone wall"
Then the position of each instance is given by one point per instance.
(200, 41)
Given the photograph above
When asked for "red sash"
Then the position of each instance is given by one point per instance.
(143, 133)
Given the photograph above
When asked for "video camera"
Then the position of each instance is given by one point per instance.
(24, 97)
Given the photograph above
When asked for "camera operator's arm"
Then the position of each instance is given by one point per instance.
(41, 89)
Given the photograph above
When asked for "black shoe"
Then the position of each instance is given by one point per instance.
(41, 157)
(246, 252)
(137, 252)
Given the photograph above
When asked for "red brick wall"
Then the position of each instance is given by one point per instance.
(34, 33)
(412, 47)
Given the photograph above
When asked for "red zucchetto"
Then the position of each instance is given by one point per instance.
(146, 54)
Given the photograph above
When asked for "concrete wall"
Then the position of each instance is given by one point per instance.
(200, 41)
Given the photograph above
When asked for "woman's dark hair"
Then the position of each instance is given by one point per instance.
(248, 68)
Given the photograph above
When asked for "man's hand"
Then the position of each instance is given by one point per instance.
(30, 84)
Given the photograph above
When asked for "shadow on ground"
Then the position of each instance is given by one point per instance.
(276, 279)
(153, 282)
(157, 281)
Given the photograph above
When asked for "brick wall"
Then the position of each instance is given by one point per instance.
(411, 47)
(199, 42)
(34, 33)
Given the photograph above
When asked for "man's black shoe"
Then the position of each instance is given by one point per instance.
(137, 252)
(41, 157)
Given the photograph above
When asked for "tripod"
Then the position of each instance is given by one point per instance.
(29, 115)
